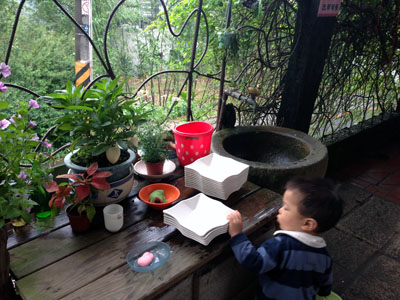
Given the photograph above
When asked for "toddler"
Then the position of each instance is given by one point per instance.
(295, 263)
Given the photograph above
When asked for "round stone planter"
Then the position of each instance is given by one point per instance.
(119, 190)
(121, 181)
(118, 171)
(274, 154)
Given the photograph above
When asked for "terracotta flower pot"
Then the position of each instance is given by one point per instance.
(155, 168)
(79, 223)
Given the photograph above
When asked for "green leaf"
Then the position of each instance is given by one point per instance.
(79, 107)
(91, 211)
(26, 216)
(58, 106)
(12, 212)
(31, 203)
(101, 148)
(42, 190)
(66, 126)
(3, 104)
(59, 95)
(54, 212)
(68, 118)
(106, 124)
(82, 142)
(126, 134)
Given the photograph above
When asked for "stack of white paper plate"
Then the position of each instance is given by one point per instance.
(199, 218)
(216, 175)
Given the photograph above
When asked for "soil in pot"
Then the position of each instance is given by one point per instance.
(79, 223)
(155, 168)
(100, 159)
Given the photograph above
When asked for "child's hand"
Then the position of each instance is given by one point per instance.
(235, 223)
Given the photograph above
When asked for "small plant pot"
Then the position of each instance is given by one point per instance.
(79, 223)
(156, 168)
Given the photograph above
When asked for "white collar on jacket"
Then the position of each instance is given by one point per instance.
(306, 238)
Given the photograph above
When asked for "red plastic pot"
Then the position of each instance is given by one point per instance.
(192, 141)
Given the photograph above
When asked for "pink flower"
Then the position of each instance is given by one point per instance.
(5, 70)
(31, 124)
(4, 124)
(46, 144)
(33, 104)
(35, 138)
(22, 175)
(12, 118)
(3, 88)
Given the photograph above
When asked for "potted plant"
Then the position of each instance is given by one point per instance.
(80, 191)
(152, 147)
(100, 121)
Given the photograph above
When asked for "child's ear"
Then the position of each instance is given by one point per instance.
(310, 225)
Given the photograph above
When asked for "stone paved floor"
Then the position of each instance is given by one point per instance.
(365, 245)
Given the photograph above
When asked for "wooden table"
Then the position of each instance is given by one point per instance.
(58, 264)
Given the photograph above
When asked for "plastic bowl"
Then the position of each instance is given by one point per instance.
(171, 192)
(160, 250)
(331, 296)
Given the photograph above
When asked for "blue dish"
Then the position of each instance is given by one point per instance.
(160, 250)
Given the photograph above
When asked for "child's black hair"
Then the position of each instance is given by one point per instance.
(321, 201)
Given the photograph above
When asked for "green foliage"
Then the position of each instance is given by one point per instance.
(18, 147)
(152, 146)
(98, 118)
(42, 55)
(79, 191)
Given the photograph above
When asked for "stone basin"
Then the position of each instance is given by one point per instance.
(274, 154)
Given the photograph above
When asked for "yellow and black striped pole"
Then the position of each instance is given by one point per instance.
(83, 49)
(82, 73)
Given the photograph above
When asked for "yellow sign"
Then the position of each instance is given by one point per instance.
(82, 73)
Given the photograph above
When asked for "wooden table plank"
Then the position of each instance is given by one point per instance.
(18, 236)
(99, 260)
(82, 267)
(60, 243)
(186, 257)
(28, 257)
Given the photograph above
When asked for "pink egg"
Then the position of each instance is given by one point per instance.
(145, 259)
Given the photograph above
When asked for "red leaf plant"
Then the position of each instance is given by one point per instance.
(79, 190)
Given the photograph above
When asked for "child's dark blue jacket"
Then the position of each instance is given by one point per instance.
(291, 266)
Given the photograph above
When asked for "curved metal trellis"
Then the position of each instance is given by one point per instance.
(267, 62)
(106, 61)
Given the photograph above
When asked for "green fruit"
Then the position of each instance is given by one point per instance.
(158, 196)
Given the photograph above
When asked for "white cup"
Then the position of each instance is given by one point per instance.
(113, 217)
